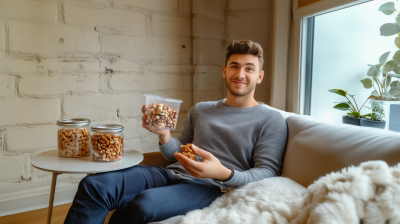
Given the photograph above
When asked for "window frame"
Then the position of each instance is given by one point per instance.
(296, 80)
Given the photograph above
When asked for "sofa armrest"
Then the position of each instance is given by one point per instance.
(155, 159)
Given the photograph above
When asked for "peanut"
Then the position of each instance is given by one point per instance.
(107, 147)
(73, 142)
(161, 116)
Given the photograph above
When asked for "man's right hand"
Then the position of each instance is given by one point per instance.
(163, 134)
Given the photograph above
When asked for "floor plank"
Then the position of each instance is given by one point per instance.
(38, 216)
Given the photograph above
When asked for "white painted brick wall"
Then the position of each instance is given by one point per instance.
(174, 26)
(164, 50)
(152, 5)
(54, 64)
(44, 39)
(23, 9)
(12, 168)
(44, 85)
(29, 111)
(40, 137)
(6, 85)
(118, 19)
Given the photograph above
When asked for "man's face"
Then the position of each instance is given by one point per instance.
(242, 74)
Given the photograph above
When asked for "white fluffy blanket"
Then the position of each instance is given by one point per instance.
(367, 194)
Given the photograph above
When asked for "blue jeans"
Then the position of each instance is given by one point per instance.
(141, 194)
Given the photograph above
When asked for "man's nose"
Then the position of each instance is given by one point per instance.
(241, 73)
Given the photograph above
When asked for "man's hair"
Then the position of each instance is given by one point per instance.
(245, 47)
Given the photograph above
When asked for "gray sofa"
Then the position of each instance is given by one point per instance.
(316, 148)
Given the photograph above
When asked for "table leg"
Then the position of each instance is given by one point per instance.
(51, 200)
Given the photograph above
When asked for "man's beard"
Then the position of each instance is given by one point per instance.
(247, 91)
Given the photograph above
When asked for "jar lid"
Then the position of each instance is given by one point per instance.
(73, 122)
(107, 127)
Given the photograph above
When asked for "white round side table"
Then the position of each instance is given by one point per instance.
(51, 162)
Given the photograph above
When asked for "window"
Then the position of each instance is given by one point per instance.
(337, 47)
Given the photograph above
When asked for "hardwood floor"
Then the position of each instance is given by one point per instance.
(38, 216)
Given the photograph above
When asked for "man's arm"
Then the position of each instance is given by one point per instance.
(268, 155)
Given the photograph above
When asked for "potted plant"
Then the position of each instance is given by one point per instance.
(384, 76)
(353, 117)
(375, 119)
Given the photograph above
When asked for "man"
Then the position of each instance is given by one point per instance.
(238, 140)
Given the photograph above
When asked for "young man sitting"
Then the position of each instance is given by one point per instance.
(238, 140)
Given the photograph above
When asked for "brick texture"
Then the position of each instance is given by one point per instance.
(11, 167)
(58, 84)
(32, 138)
(6, 85)
(29, 111)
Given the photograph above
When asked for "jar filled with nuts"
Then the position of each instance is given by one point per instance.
(162, 112)
(73, 137)
(107, 142)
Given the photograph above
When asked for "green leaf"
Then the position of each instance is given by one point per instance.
(383, 58)
(395, 84)
(342, 106)
(389, 29)
(374, 71)
(338, 91)
(374, 93)
(394, 91)
(397, 70)
(366, 115)
(389, 66)
(387, 8)
(397, 42)
(396, 57)
(354, 114)
(367, 83)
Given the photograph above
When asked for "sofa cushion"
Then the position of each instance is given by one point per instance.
(316, 148)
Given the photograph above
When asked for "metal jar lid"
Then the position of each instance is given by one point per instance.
(107, 127)
(73, 122)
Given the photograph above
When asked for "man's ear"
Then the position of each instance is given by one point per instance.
(223, 72)
(260, 77)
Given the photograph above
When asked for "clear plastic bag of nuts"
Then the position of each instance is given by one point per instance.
(107, 142)
(73, 137)
(162, 112)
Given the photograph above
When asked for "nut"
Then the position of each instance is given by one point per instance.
(73, 142)
(187, 151)
(161, 116)
(110, 145)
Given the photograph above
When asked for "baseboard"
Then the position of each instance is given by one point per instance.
(35, 202)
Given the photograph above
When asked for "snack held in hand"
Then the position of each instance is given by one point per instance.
(162, 113)
(107, 142)
(73, 137)
(187, 151)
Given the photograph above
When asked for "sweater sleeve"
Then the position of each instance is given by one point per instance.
(269, 150)
(185, 136)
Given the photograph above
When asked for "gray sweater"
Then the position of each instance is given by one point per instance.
(251, 141)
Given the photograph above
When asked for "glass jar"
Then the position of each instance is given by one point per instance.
(107, 142)
(73, 137)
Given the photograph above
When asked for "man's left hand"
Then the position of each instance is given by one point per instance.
(210, 167)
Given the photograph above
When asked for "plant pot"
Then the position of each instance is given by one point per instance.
(350, 120)
(373, 124)
(391, 119)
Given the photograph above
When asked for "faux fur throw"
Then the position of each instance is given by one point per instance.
(367, 194)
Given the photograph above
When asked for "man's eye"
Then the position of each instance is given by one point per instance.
(233, 66)
(250, 69)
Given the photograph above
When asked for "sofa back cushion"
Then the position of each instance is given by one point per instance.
(316, 148)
